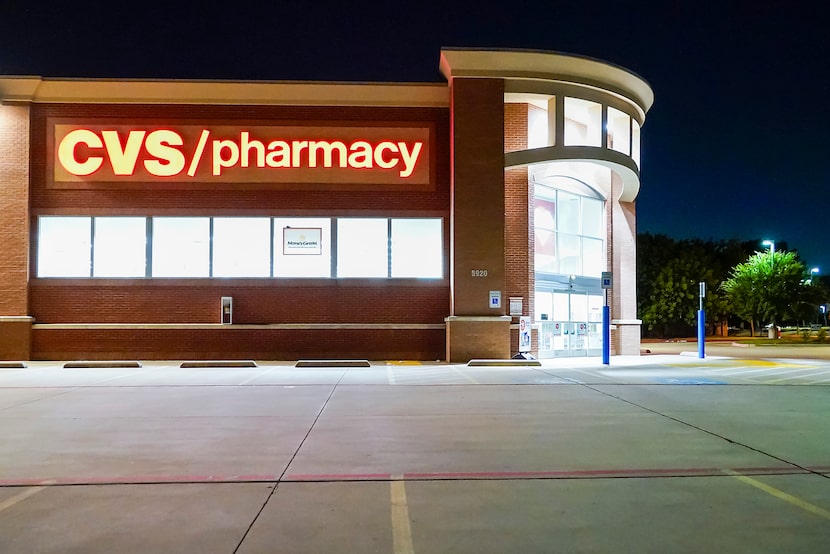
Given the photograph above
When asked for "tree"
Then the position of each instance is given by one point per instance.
(668, 273)
(769, 286)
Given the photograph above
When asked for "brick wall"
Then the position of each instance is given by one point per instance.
(14, 210)
(194, 301)
(231, 342)
(518, 216)
(478, 194)
(56, 301)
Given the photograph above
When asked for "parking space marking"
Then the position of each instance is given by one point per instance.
(465, 375)
(23, 495)
(781, 495)
(401, 530)
(799, 377)
(256, 376)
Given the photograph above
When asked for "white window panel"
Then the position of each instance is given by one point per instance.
(362, 247)
(181, 247)
(120, 247)
(241, 247)
(64, 246)
(417, 248)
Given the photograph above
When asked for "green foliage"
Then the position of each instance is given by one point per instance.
(668, 275)
(770, 286)
(806, 334)
(821, 336)
(740, 283)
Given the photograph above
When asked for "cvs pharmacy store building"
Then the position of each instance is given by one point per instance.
(287, 220)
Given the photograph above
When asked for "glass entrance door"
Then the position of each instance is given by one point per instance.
(570, 324)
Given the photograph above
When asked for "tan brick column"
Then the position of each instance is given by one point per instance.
(624, 293)
(15, 323)
(474, 328)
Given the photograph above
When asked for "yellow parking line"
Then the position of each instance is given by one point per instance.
(781, 495)
(401, 531)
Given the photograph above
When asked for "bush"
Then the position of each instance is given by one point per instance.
(806, 333)
(822, 335)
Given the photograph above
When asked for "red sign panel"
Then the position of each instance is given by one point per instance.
(101, 153)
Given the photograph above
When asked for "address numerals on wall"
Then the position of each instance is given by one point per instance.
(478, 273)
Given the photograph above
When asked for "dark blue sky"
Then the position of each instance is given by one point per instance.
(733, 146)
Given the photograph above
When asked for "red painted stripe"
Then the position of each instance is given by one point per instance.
(452, 475)
(338, 477)
(140, 480)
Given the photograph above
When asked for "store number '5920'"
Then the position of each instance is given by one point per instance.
(478, 273)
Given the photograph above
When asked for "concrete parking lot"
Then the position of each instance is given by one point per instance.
(660, 453)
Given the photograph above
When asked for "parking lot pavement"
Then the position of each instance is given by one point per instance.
(662, 453)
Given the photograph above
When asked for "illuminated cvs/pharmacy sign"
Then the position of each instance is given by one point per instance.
(233, 154)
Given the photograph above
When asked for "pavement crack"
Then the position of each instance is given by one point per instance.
(282, 475)
(708, 432)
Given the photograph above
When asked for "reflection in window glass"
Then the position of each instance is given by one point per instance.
(545, 251)
(64, 246)
(583, 122)
(362, 248)
(241, 247)
(593, 224)
(543, 306)
(561, 311)
(181, 247)
(568, 213)
(593, 258)
(569, 254)
(619, 131)
(294, 262)
(579, 307)
(120, 247)
(417, 248)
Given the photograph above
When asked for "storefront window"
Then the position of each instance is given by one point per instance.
(120, 247)
(570, 259)
(569, 232)
(417, 248)
(537, 127)
(635, 142)
(241, 247)
(619, 131)
(593, 217)
(362, 248)
(593, 260)
(583, 122)
(64, 246)
(302, 247)
(181, 247)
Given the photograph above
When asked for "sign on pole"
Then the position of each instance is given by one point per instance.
(607, 279)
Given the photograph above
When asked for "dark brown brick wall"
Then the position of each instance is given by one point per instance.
(237, 343)
(478, 194)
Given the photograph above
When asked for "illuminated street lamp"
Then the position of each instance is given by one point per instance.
(773, 329)
(813, 271)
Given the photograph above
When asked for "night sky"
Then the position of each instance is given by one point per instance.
(732, 148)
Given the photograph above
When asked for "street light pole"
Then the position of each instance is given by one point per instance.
(773, 331)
